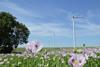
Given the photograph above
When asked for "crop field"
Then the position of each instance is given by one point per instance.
(54, 57)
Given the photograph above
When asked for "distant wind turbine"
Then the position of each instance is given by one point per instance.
(74, 34)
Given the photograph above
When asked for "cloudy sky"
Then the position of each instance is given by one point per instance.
(50, 21)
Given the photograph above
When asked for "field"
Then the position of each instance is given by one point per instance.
(47, 57)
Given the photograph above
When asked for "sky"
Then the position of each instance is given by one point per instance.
(50, 21)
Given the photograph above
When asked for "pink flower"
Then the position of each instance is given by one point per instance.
(77, 60)
(33, 47)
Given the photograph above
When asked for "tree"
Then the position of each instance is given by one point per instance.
(12, 33)
(83, 45)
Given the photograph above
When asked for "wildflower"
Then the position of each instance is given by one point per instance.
(5, 60)
(93, 55)
(63, 54)
(12, 54)
(25, 58)
(11, 58)
(41, 58)
(19, 63)
(33, 47)
(77, 60)
(46, 56)
(36, 56)
(62, 60)
(79, 50)
(19, 55)
(86, 56)
(47, 65)
(1, 62)
(0, 59)
(40, 65)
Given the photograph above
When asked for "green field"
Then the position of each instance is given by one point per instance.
(53, 59)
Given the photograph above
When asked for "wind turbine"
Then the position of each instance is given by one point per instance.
(53, 38)
(74, 34)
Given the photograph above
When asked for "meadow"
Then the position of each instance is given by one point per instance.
(47, 57)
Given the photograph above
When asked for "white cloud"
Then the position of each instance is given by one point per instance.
(84, 27)
(49, 29)
(88, 29)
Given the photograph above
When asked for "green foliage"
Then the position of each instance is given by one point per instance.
(12, 33)
(98, 54)
(92, 62)
(40, 61)
(37, 61)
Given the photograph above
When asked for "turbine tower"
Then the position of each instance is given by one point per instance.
(74, 33)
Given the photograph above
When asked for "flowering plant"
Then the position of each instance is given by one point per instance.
(34, 47)
(77, 60)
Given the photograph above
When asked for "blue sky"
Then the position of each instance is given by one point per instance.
(50, 21)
